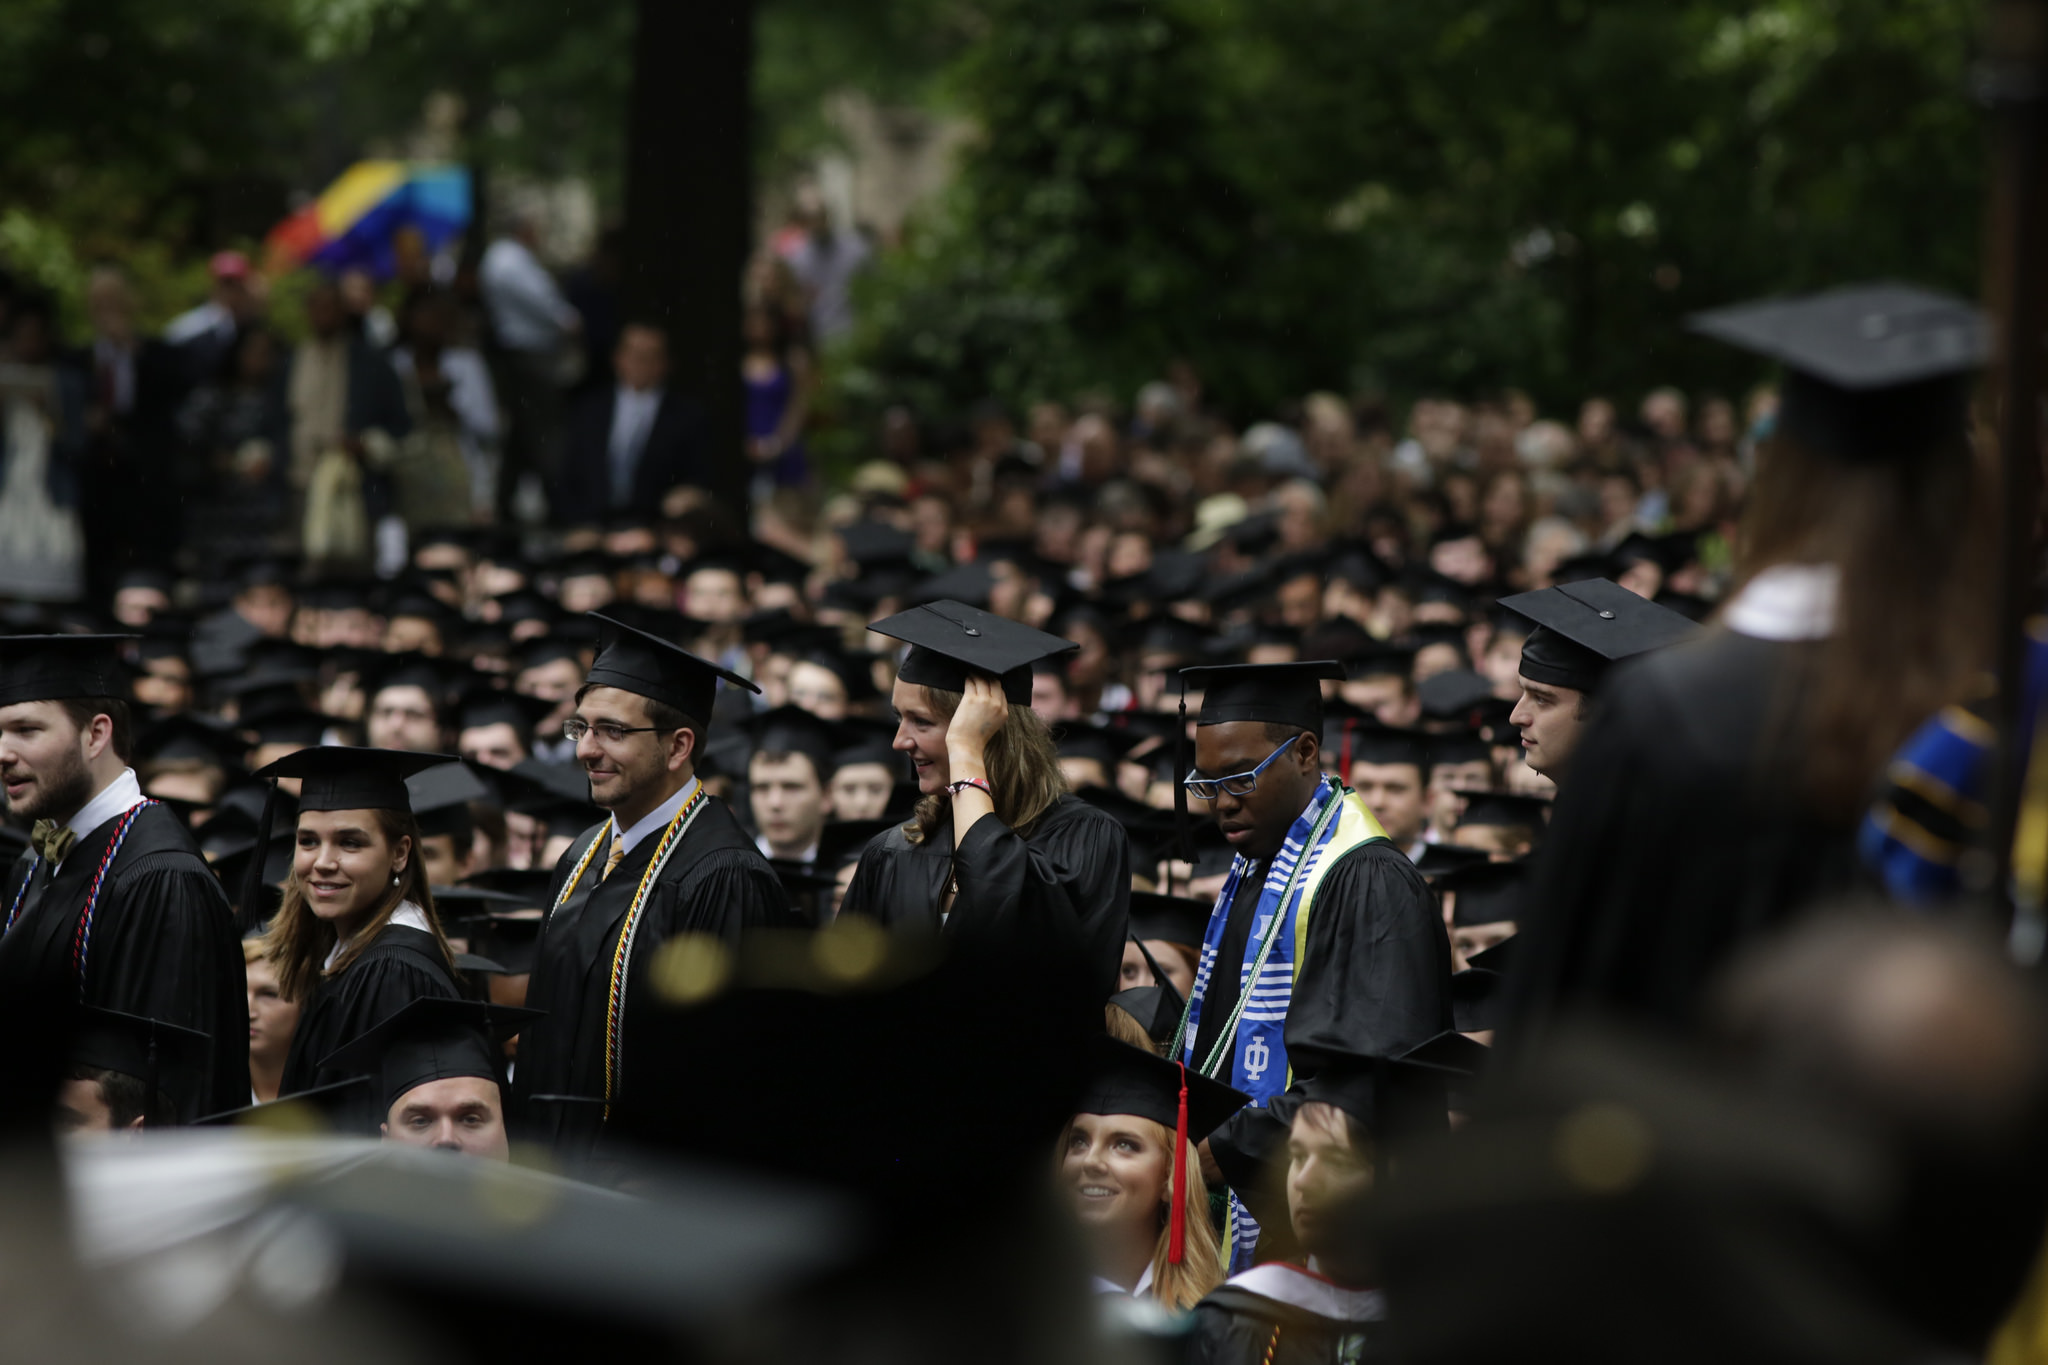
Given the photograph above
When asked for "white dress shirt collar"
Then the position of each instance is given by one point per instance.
(118, 797)
(1105, 1285)
(1787, 602)
(809, 855)
(655, 819)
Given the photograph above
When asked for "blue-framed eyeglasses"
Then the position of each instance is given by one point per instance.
(1237, 784)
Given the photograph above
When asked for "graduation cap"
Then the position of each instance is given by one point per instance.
(1582, 628)
(1156, 1009)
(646, 665)
(1454, 747)
(1439, 859)
(288, 725)
(1392, 1098)
(1105, 744)
(1127, 1080)
(321, 1107)
(60, 667)
(862, 740)
(1380, 659)
(527, 885)
(432, 1039)
(482, 706)
(337, 777)
(1385, 744)
(1452, 693)
(1487, 892)
(793, 730)
(1476, 1004)
(1872, 371)
(462, 902)
(511, 937)
(841, 841)
(1172, 919)
(193, 738)
(1278, 694)
(440, 799)
(167, 1059)
(1509, 809)
(970, 583)
(949, 641)
(872, 543)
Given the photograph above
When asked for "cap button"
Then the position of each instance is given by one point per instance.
(972, 630)
(1607, 616)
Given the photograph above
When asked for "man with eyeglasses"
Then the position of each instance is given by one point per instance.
(1324, 936)
(672, 860)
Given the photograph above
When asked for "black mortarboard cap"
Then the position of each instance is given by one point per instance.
(289, 725)
(1128, 1080)
(461, 903)
(1582, 628)
(1504, 808)
(441, 797)
(841, 841)
(164, 1057)
(1451, 693)
(1488, 892)
(529, 885)
(648, 666)
(1156, 1009)
(432, 1039)
(971, 583)
(1379, 744)
(1476, 1003)
(1454, 747)
(1873, 371)
(1279, 694)
(482, 706)
(323, 1106)
(1392, 1097)
(1174, 919)
(336, 777)
(1439, 859)
(190, 736)
(58, 667)
(793, 730)
(1381, 660)
(1103, 743)
(949, 640)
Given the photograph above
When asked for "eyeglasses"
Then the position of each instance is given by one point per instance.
(575, 728)
(1237, 784)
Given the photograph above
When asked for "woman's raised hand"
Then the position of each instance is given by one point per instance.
(983, 709)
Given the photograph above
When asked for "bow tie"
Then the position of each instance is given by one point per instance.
(52, 840)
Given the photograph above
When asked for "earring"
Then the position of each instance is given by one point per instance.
(394, 879)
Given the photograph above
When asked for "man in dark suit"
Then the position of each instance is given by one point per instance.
(128, 494)
(629, 444)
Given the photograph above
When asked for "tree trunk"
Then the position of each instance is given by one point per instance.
(689, 173)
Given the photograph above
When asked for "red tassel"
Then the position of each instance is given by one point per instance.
(1344, 757)
(1176, 1233)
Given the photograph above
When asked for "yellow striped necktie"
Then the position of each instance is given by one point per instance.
(614, 858)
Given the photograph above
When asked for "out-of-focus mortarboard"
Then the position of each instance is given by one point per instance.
(167, 1059)
(321, 1108)
(1487, 892)
(1171, 919)
(431, 1039)
(1872, 372)
(1510, 809)
(793, 730)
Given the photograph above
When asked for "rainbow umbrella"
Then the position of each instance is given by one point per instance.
(356, 221)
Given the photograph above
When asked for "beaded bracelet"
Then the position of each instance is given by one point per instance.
(955, 788)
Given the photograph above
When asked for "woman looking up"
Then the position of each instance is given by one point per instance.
(1129, 1164)
(356, 939)
(998, 850)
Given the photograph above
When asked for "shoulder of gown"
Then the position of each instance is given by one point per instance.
(1374, 976)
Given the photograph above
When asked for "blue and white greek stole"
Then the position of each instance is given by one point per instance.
(1253, 1057)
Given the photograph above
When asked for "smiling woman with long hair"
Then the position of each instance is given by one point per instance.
(356, 938)
(1130, 1166)
(998, 849)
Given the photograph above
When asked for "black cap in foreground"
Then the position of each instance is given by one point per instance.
(646, 665)
(318, 1109)
(432, 1039)
(167, 1059)
(1156, 1009)
(1128, 1080)
(60, 667)
(1873, 371)
(337, 777)
(1487, 892)
(1582, 628)
(1393, 1098)
(950, 641)
(1278, 694)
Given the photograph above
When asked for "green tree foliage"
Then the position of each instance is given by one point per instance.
(1459, 195)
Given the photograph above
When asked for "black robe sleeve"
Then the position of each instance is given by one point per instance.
(864, 894)
(175, 957)
(1066, 891)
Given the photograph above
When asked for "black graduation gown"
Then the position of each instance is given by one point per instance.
(716, 882)
(1676, 838)
(163, 946)
(1062, 893)
(1373, 979)
(1234, 1326)
(397, 967)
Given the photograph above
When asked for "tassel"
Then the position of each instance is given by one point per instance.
(1183, 836)
(1177, 1231)
(1344, 756)
(248, 913)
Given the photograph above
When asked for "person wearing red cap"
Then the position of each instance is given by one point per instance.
(207, 334)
